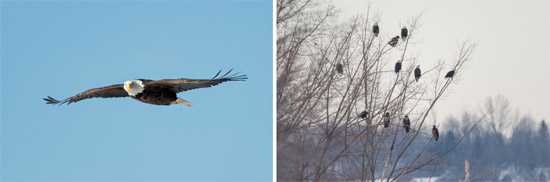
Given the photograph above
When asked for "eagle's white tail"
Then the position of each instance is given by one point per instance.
(180, 101)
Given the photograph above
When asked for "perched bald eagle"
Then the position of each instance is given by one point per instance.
(340, 68)
(394, 41)
(375, 29)
(406, 123)
(435, 132)
(159, 92)
(450, 74)
(363, 114)
(397, 66)
(387, 120)
(417, 73)
(404, 33)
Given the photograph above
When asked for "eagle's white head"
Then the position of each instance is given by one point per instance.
(134, 87)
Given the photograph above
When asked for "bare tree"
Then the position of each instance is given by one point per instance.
(499, 115)
(319, 134)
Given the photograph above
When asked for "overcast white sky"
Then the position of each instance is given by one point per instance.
(512, 57)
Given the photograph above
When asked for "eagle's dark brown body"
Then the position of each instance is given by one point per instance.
(157, 95)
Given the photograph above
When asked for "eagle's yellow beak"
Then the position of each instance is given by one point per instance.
(128, 86)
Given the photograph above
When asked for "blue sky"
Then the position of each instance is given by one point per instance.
(61, 48)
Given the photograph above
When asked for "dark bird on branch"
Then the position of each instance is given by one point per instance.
(435, 132)
(417, 73)
(406, 123)
(159, 92)
(375, 29)
(394, 41)
(450, 74)
(404, 33)
(397, 66)
(340, 68)
(387, 120)
(363, 114)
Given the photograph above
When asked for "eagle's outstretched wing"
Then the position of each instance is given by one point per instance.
(183, 84)
(103, 92)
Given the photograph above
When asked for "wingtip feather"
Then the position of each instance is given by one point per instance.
(227, 73)
(51, 100)
(216, 74)
(231, 77)
(238, 78)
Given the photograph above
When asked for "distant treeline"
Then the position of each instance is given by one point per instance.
(494, 156)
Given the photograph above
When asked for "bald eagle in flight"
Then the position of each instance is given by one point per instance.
(450, 74)
(375, 29)
(435, 132)
(417, 73)
(159, 92)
